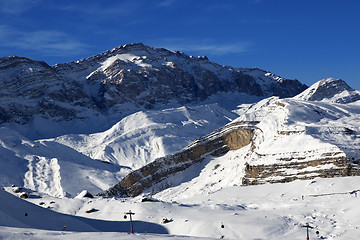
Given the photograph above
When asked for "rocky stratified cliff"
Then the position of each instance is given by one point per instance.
(121, 81)
(327, 165)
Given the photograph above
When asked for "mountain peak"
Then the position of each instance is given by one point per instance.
(333, 82)
(330, 90)
(130, 46)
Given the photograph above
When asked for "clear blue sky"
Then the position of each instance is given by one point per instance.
(304, 39)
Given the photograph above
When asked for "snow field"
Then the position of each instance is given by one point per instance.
(253, 212)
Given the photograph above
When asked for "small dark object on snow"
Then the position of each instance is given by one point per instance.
(87, 194)
(147, 200)
(24, 196)
(52, 202)
(16, 189)
(222, 226)
(41, 203)
(91, 210)
(165, 220)
(354, 192)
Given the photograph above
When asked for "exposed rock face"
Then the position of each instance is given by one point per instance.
(123, 80)
(148, 76)
(300, 169)
(231, 137)
(31, 88)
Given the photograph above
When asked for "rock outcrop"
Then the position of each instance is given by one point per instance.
(231, 137)
(336, 165)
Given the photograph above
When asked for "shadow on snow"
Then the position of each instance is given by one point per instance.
(15, 212)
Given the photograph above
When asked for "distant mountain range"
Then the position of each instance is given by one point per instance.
(142, 120)
(124, 80)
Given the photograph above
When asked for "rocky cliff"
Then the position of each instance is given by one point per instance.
(287, 170)
(29, 88)
(121, 81)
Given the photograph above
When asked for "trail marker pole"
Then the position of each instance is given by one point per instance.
(131, 224)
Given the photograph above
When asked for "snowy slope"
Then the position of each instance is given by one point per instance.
(51, 168)
(98, 161)
(270, 211)
(17, 213)
(144, 136)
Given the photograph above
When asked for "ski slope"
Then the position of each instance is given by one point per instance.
(254, 212)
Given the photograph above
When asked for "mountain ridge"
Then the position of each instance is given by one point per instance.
(120, 81)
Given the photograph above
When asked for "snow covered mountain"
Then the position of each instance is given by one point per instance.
(182, 133)
(127, 97)
(290, 139)
(122, 81)
(330, 90)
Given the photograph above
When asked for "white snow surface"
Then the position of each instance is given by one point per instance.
(270, 211)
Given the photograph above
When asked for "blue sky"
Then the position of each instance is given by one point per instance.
(308, 40)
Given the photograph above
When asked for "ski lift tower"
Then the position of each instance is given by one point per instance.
(131, 224)
(307, 230)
